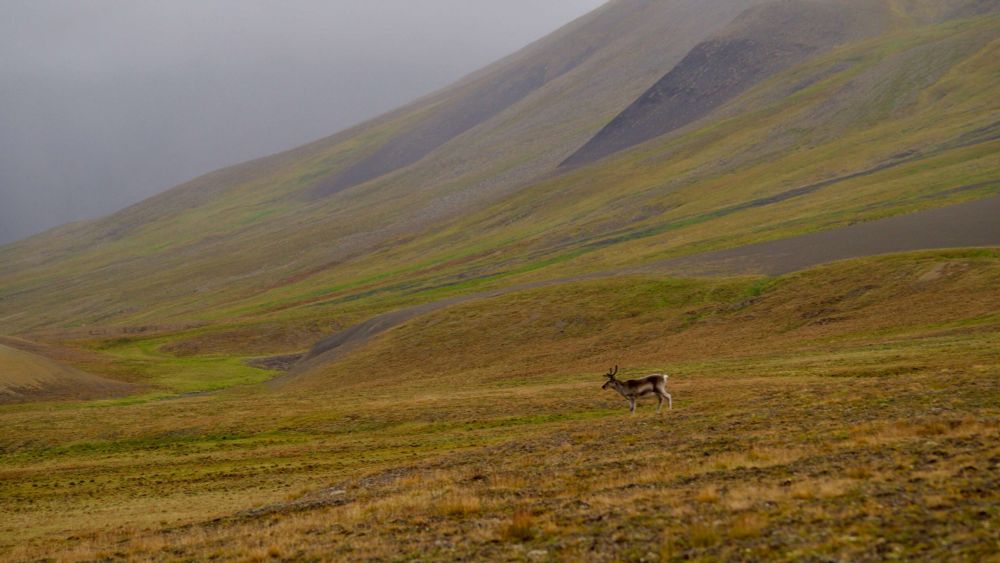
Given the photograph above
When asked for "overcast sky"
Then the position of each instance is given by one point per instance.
(106, 102)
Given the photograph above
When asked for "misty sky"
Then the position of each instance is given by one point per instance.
(106, 102)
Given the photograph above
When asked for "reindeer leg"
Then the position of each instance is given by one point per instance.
(659, 405)
(670, 400)
(631, 405)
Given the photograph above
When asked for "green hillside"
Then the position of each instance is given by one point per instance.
(252, 242)
(389, 343)
(197, 236)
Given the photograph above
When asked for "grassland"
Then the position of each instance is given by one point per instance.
(850, 410)
(847, 411)
(28, 376)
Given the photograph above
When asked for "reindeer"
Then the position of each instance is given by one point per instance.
(635, 388)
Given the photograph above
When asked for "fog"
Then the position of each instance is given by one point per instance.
(106, 102)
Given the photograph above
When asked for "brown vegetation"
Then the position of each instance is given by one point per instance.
(870, 437)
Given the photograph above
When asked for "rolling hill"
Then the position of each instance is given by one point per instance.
(801, 394)
(790, 205)
(269, 240)
(26, 376)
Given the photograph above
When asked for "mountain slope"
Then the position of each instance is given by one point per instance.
(202, 231)
(253, 260)
(457, 302)
(25, 376)
(649, 320)
(760, 43)
(970, 224)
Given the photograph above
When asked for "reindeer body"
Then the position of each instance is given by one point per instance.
(632, 389)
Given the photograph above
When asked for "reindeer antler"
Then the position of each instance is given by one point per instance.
(614, 372)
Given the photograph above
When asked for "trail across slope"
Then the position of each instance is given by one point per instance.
(976, 223)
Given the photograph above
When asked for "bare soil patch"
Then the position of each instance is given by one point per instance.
(969, 224)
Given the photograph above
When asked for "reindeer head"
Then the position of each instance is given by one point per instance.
(610, 376)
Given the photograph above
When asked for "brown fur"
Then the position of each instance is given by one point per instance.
(632, 389)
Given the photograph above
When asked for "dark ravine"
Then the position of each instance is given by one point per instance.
(761, 43)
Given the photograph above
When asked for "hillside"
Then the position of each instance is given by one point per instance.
(759, 44)
(570, 327)
(882, 110)
(255, 261)
(243, 238)
(762, 42)
(267, 243)
(197, 235)
(965, 225)
(481, 431)
(389, 343)
(968, 224)
(25, 376)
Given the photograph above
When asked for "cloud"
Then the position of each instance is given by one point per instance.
(106, 102)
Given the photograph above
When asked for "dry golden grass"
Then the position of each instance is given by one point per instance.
(709, 494)
(773, 452)
(27, 376)
(745, 497)
(459, 503)
(747, 525)
(521, 526)
(656, 324)
(531, 487)
(874, 434)
(703, 535)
